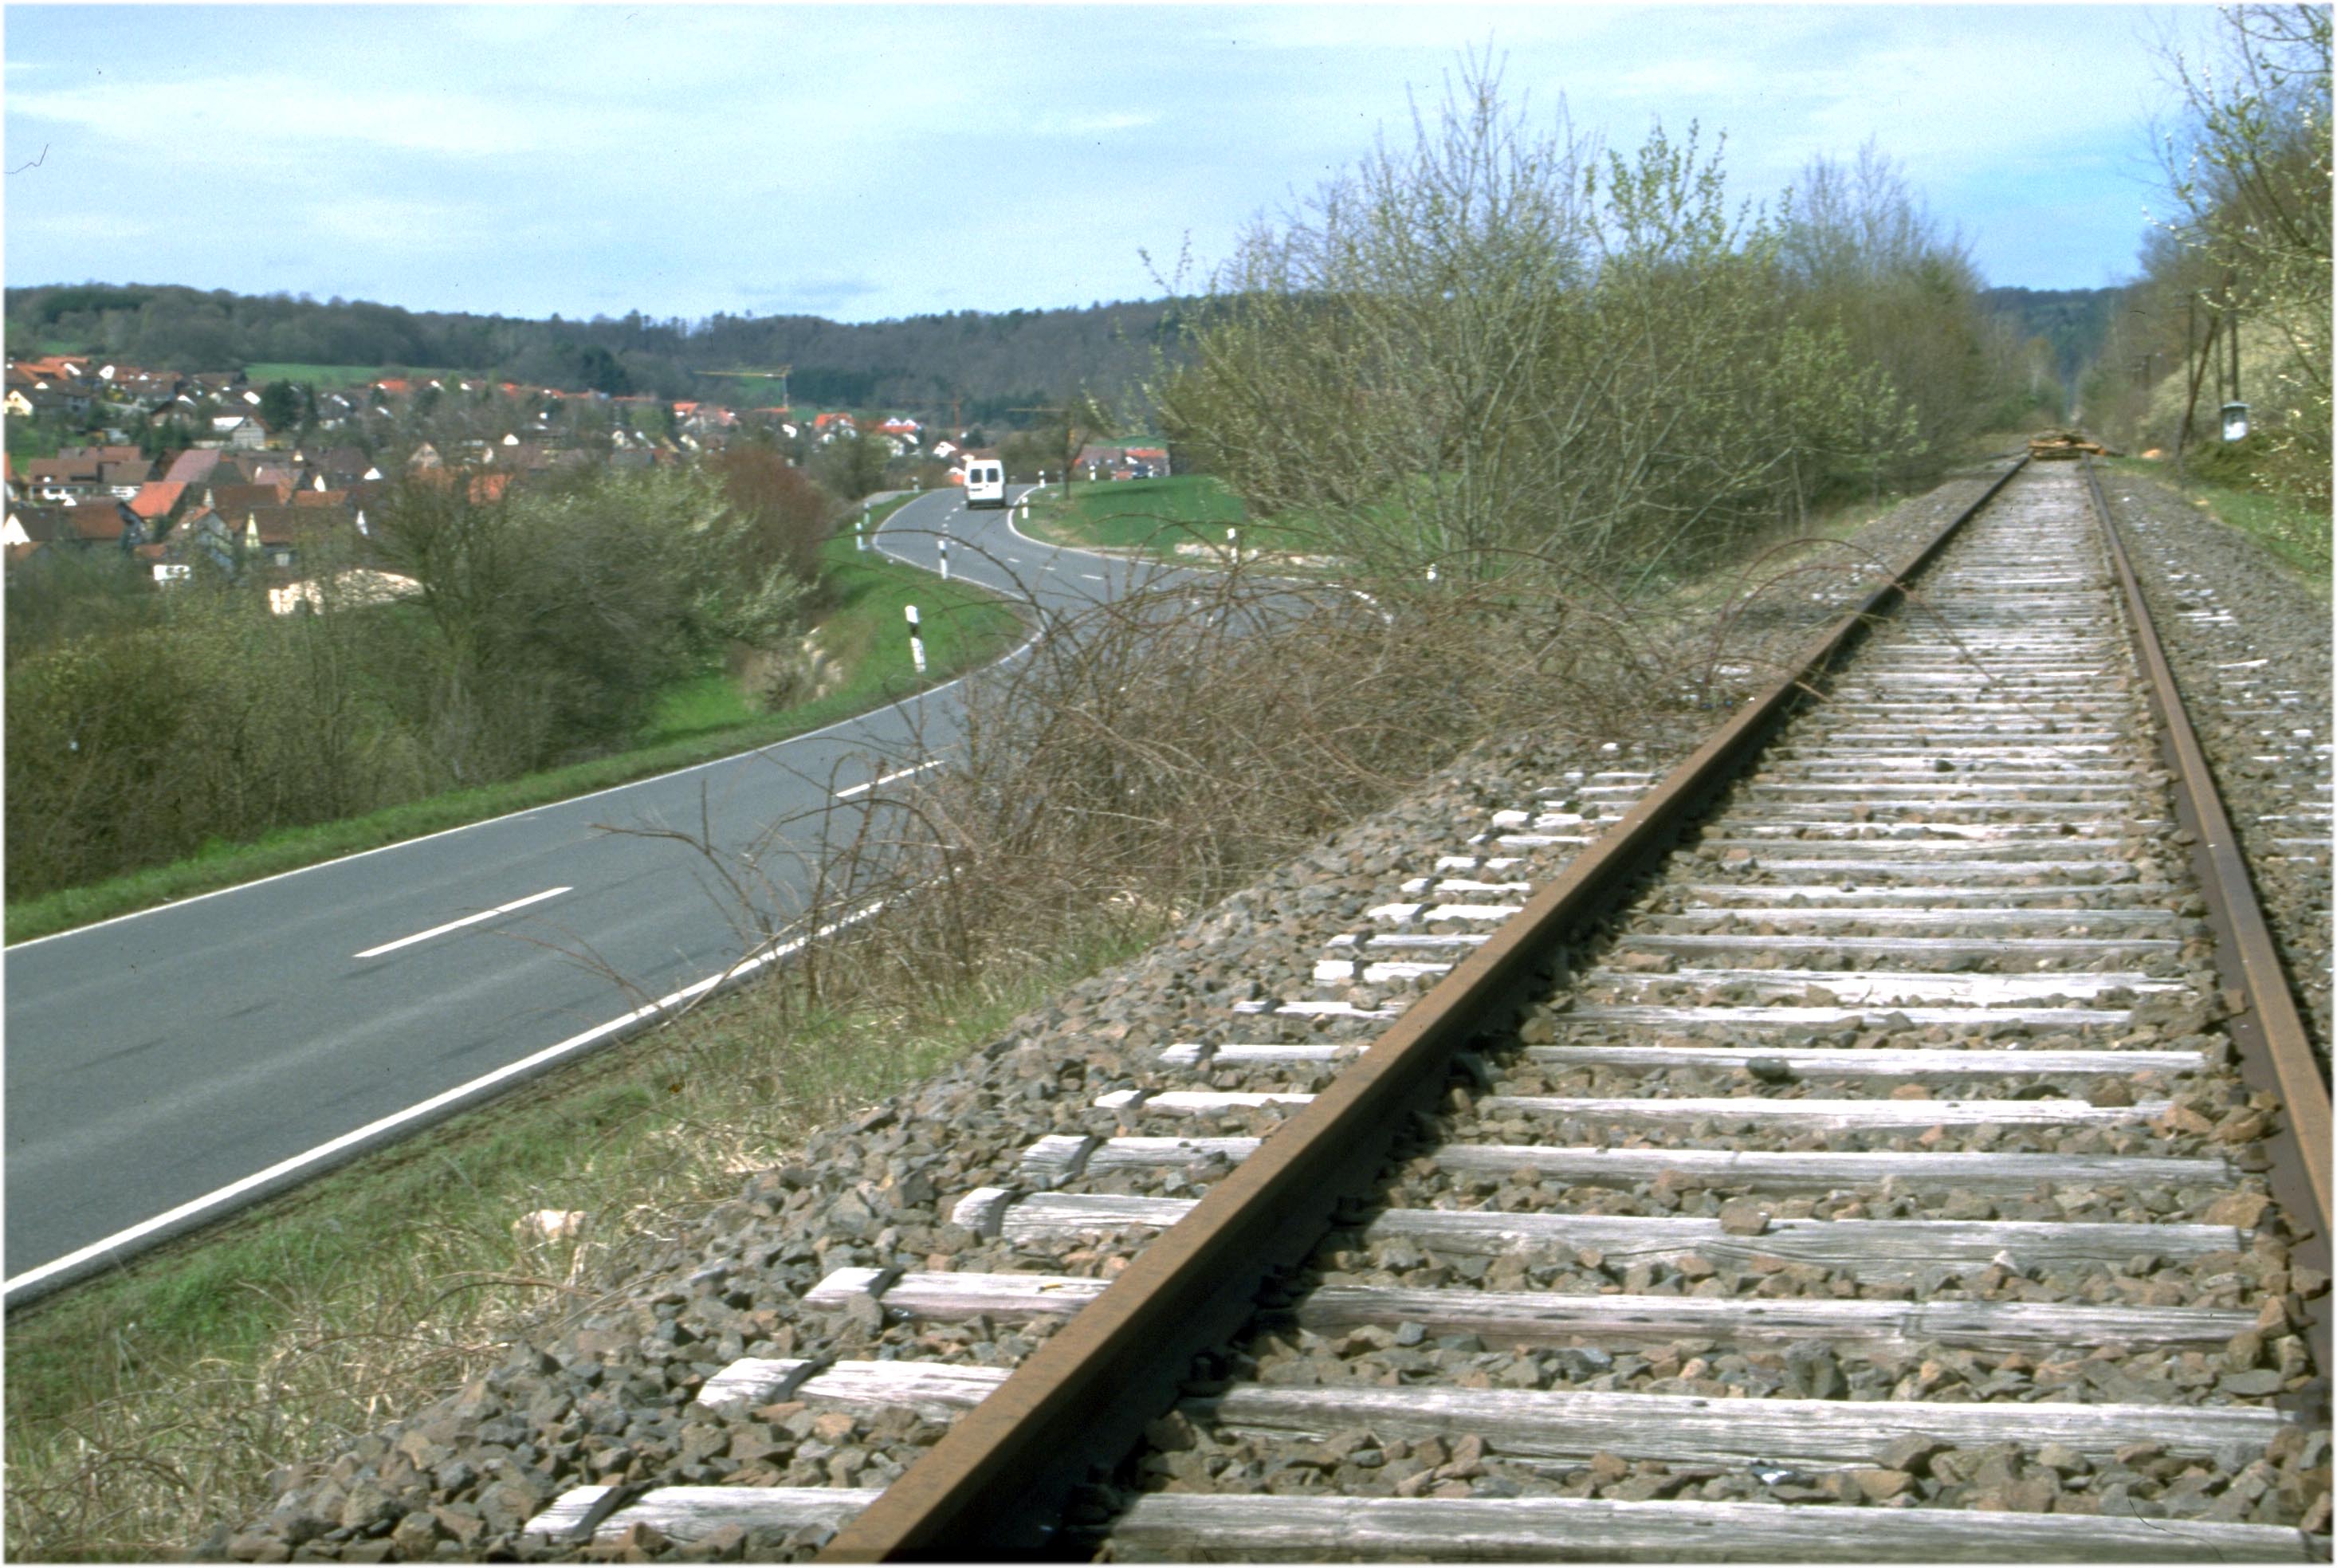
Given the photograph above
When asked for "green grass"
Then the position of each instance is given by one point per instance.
(964, 626)
(748, 391)
(2297, 534)
(1151, 514)
(709, 705)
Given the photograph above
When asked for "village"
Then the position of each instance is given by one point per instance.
(183, 471)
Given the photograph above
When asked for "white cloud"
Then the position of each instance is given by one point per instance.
(380, 224)
(1059, 124)
(111, 228)
(254, 113)
(1668, 78)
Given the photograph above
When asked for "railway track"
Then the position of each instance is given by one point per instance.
(1883, 1139)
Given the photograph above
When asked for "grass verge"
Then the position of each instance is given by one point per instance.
(964, 626)
(1137, 514)
(147, 1406)
(2296, 533)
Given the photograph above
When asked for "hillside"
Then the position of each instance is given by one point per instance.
(2075, 321)
(994, 363)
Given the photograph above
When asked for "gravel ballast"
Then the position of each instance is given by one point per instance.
(2250, 647)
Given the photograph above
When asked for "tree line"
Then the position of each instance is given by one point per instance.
(987, 365)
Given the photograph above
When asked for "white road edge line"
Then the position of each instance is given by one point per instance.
(465, 920)
(223, 1196)
(887, 778)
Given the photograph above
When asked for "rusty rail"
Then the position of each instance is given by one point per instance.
(2267, 1027)
(994, 1485)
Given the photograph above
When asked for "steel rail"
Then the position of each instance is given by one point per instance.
(2268, 1028)
(995, 1484)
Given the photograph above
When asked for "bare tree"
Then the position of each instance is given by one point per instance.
(2247, 170)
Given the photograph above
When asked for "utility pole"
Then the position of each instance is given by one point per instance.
(2237, 396)
(2190, 331)
(2209, 350)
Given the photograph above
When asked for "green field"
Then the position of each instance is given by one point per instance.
(703, 719)
(333, 377)
(748, 391)
(1157, 516)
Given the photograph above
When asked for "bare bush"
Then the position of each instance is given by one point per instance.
(1156, 751)
(1496, 342)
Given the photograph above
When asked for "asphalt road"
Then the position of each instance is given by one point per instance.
(163, 1068)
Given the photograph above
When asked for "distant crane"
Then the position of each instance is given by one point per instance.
(777, 373)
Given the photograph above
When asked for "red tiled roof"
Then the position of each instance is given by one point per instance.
(101, 525)
(234, 499)
(193, 465)
(156, 497)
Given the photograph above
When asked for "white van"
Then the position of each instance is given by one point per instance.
(985, 482)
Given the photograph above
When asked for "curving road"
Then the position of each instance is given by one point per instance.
(166, 1067)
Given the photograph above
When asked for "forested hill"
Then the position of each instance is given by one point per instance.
(2075, 321)
(993, 362)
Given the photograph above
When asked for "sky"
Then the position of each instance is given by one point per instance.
(867, 161)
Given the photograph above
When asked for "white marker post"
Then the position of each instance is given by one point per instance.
(944, 557)
(860, 534)
(917, 643)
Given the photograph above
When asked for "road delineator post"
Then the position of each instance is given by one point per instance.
(916, 642)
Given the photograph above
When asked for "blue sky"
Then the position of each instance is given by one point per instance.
(868, 161)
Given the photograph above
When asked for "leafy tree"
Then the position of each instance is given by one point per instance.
(597, 371)
(281, 405)
(559, 612)
(852, 465)
(1866, 257)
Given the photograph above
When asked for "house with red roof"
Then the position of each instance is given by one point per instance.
(156, 500)
(192, 467)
